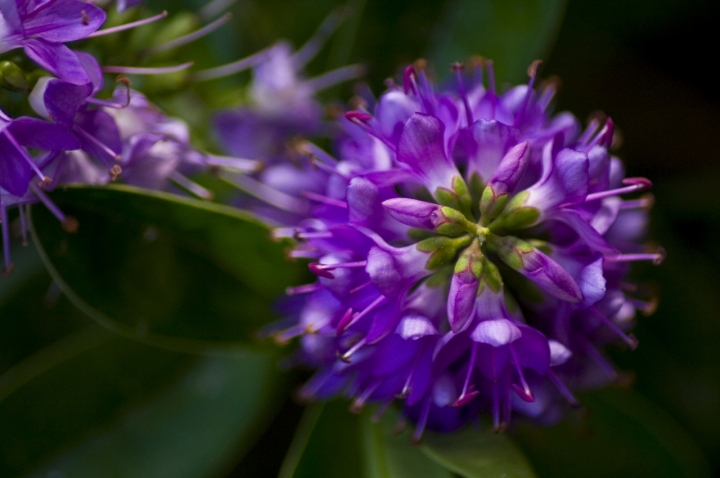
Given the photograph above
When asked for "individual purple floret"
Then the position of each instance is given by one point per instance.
(42, 29)
(471, 253)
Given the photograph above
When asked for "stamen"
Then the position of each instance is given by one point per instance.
(477, 64)
(600, 360)
(605, 135)
(128, 26)
(23, 225)
(548, 89)
(115, 172)
(457, 68)
(633, 184)
(132, 70)
(69, 223)
(232, 164)
(562, 389)
(324, 199)
(657, 258)
(302, 289)
(103, 147)
(646, 307)
(44, 180)
(190, 186)
(346, 356)
(323, 270)
(377, 416)
(214, 7)
(358, 404)
(406, 390)
(629, 339)
(360, 287)
(334, 77)
(595, 120)
(524, 392)
(304, 254)
(314, 235)
(496, 404)
(361, 118)
(308, 51)
(348, 319)
(468, 392)
(493, 94)
(190, 37)
(409, 83)
(284, 336)
(326, 167)
(267, 194)
(420, 428)
(646, 202)
(532, 73)
(230, 68)
(9, 267)
(318, 153)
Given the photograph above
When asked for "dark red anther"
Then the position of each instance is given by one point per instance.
(320, 270)
(358, 116)
(641, 183)
(408, 77)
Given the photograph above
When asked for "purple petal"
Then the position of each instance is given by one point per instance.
(533, 350)
(511, 169)
(412, 212)
(496, 332)
(38, 134)
(63, 100)
(393, 109)
(461, 298)
(57, 59)
(15, 172)
(484, 143)
(93, 70)
(422, 148)
(415, 326)
(559, 354)
(63, 20)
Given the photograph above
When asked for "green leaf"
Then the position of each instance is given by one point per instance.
(475, 453)
(175, 272)
(623, 434)
(388, 454)
(96, 404)
(512, 34)
(326, 444)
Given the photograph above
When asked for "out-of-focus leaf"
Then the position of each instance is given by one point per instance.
(108, 406)
(475, 453)
(388, 454)
(175, 272)
(326, 445)
(624, 434)
(512, 34)
(33, 314)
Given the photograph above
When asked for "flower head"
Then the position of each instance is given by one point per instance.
(466, 255)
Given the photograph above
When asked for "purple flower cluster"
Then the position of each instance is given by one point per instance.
(471, 253)
(81, 137)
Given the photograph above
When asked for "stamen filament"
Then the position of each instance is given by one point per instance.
(467, 393)
(657, 258)
(420, 428)
(334, 77)
(525, 393)
(267, 194)
(190, 37)
(324, 199)
(128, 26)
(230, 68)
(633, 184)
(302, 289)
(629, 339)
(190, 186)
(562, 388)
(133, 70)
(458, 67)
(348, 320)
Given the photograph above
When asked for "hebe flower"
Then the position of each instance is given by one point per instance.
(471, 253)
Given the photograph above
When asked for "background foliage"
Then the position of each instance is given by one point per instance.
(188, 391)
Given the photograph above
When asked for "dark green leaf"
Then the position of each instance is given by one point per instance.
(326, 444)
(388, 454)
(475, 453)
(95, 404)
(512, 34)
(623, 434)
(176, 272)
